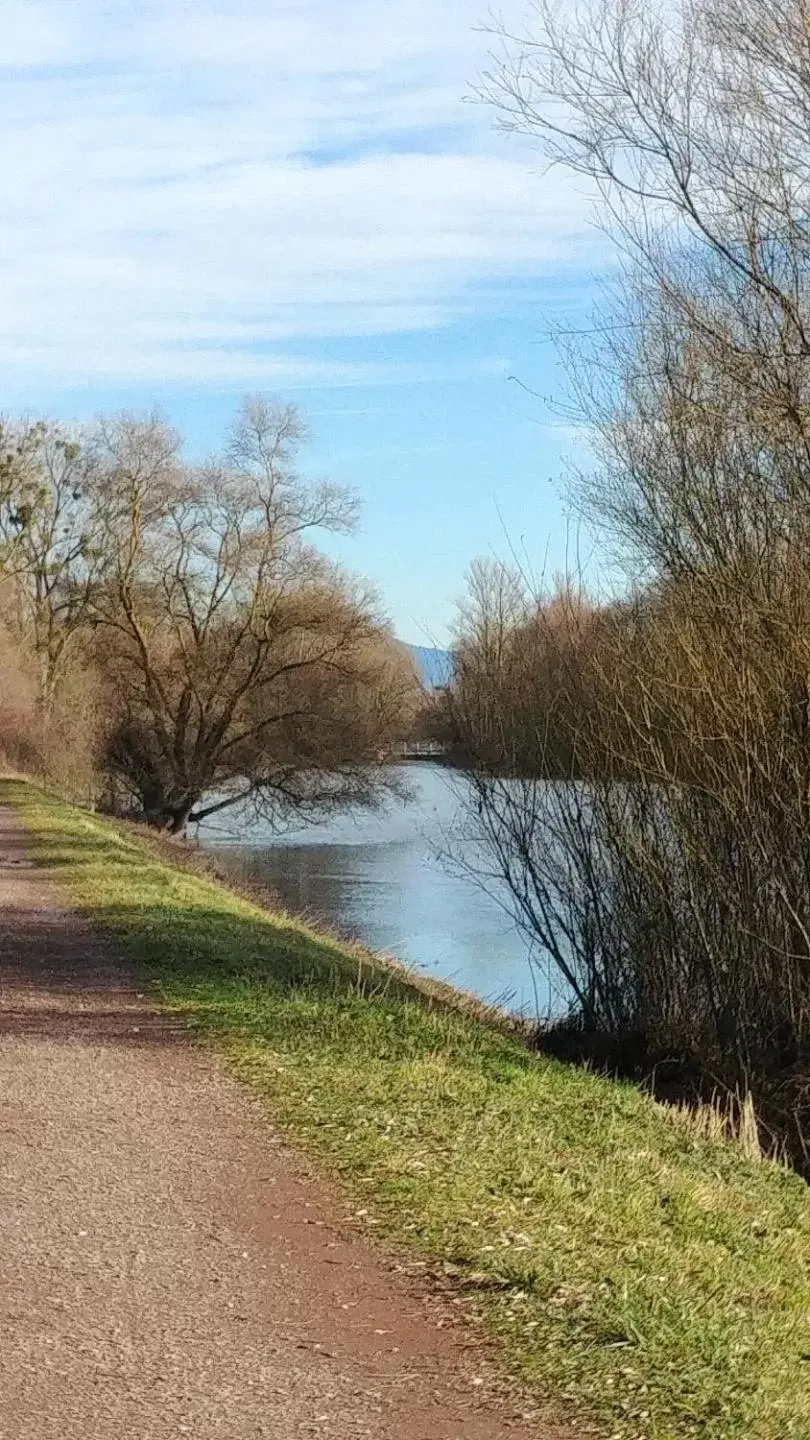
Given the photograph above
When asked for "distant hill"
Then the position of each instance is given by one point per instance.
(435, 667)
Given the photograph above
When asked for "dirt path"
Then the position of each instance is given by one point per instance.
(167, 1267)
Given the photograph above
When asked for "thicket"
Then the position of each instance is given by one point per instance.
(641, 770)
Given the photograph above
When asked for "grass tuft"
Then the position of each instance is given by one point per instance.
(636, 1266)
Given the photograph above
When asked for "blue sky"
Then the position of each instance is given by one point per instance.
(204, 198)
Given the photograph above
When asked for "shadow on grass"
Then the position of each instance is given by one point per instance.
(264, 979)
(184, 937)
(216, 964)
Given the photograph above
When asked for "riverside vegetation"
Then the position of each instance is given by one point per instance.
(668, 878)
(653, 1277)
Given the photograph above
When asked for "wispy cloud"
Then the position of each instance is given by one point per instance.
(200, 191)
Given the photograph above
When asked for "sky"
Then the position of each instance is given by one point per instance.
(207, 198)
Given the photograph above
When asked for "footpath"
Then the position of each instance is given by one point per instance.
(167, 1266)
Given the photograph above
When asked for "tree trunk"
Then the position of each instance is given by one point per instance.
(166, 814)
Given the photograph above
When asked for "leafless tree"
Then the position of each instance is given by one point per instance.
(242, 666)
(669, 879)
(227, 659)
(49, 544)
(690, 123)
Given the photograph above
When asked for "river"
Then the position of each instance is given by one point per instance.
(379, 877)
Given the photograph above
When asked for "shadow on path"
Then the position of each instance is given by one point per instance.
(56, 982)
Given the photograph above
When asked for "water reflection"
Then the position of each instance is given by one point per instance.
(379, 877)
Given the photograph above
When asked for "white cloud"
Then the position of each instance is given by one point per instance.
(189, 187)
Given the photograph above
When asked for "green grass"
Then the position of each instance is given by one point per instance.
(655, 1280)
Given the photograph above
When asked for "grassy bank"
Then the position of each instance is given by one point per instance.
(656, 1280)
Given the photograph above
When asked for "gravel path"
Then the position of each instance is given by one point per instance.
(167, 1266)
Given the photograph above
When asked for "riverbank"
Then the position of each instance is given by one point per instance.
(392, 878)
(633, 1271)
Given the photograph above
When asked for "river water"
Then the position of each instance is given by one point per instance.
(381, 878)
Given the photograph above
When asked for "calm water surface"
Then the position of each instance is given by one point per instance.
(380, 878)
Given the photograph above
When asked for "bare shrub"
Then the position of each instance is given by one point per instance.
(666, 880)
(18, 704)
(670, 884)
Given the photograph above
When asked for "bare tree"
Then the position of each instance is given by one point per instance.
(668, 881)
(690, 122)
(49, 543)
(241, 665)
